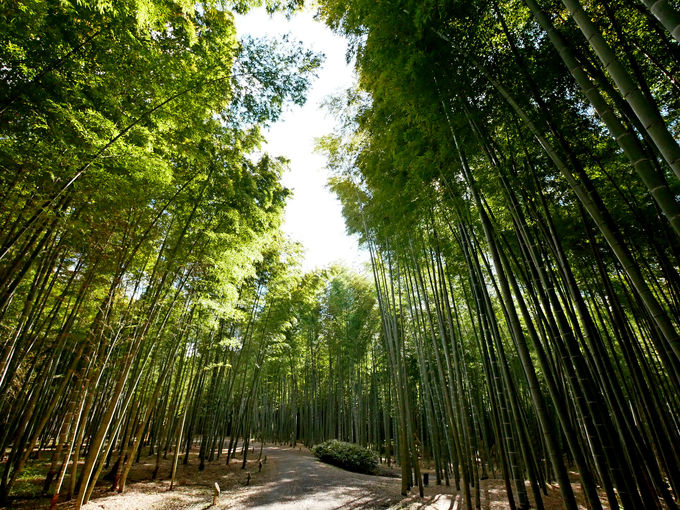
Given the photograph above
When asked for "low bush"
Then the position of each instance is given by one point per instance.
(347, 456)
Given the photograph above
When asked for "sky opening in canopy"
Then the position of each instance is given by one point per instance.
(313, 214)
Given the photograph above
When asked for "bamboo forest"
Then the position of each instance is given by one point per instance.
(509, 168)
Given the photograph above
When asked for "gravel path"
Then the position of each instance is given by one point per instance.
(301, 482)
(291, 479)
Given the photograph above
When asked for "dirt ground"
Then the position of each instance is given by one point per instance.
(291, 479)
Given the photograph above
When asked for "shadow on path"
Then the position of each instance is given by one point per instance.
(302, 482)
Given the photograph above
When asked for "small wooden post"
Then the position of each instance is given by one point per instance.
(248, 478)
(216, 493)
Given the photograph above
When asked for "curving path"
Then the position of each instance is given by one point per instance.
(295, 480)
(291, 479)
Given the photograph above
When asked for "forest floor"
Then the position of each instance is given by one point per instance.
(291, 479)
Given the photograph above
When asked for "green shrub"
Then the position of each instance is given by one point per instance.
(347, 456)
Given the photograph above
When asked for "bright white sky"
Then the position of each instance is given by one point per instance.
(313, 214)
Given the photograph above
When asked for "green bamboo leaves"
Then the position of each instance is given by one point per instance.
(506, 262)
(135, 224)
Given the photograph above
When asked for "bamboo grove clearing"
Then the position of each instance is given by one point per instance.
(511, 165)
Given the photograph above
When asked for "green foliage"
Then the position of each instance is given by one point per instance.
(137, 222)
(506, 219)
(347, 456)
